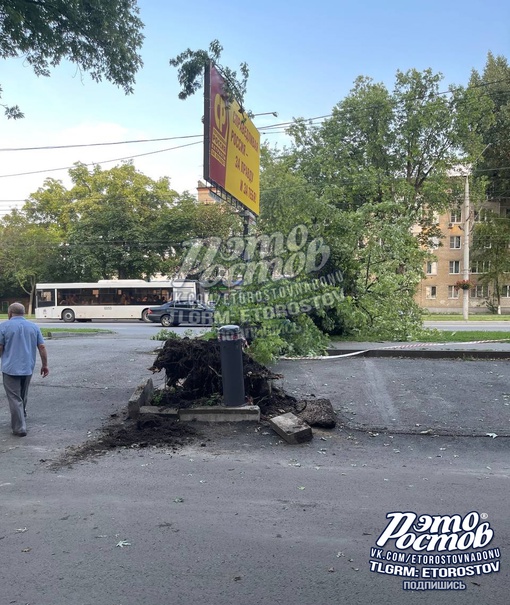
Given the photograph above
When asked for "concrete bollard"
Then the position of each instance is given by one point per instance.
(231, 355)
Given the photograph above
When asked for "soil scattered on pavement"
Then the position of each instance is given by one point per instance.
(193, 377)
(129, 434)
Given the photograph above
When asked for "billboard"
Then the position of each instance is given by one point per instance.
(231, 145)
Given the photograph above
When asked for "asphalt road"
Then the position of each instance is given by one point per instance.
(240, 517)
(137, 328)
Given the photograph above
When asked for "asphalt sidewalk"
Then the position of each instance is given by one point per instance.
(458, 389)
(436, 349)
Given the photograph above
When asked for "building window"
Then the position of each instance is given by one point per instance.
(453, 292)
(455, 266)
(431, 268)
(480, 266)
(505, 292)
(481, 215)
(455, 215)
(455, 241)
(480, 292)
(431, 292)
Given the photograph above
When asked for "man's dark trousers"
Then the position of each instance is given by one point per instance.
(16, 389)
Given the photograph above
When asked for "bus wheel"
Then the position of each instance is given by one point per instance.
(68, 315)
(144, 316)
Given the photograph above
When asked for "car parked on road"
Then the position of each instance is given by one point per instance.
(176, 313)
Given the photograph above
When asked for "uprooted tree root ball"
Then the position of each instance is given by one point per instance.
(193, 377)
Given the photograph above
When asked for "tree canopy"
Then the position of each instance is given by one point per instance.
(101, 37)
(115, 223)
(190, 66)
(494, 85)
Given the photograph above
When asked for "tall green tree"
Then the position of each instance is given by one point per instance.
(102, 37)
(108, 221)
(119, 223)
(493, 84)
(379, 166)
(188, 222)
(393, 149)
(28, 253)
(378, 257)
(491, 252)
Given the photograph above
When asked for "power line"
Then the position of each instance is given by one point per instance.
(264, 128)
(3, 176)
(72, 146)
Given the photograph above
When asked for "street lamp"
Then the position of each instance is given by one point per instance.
(466, 261)
(267, 113)
(467, 225)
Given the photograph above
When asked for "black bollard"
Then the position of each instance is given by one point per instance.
(231, 355)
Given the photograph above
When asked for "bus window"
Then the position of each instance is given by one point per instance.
(45, 298)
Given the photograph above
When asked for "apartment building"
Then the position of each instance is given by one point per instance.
(437, 292)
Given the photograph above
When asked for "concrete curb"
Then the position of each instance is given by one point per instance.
(55, 335)
(140, 404)
(419, 354)
(141, 397)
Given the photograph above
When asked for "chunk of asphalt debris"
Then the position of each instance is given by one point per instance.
(291, 428)
(317, 412)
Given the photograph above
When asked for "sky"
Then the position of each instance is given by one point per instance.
(303, 59)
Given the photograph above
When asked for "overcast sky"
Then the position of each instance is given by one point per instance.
(303, 58)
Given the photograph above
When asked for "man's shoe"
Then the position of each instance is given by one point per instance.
(21, 434)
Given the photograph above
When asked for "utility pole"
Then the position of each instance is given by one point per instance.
(466, 268)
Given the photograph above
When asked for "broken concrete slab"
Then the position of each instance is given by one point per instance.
(291, 428)
(141, 396)
(317, 412)
(220, 414)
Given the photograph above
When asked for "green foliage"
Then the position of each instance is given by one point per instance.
(191, 65)
(28, 252)
(101, 36)
(187, 221)
(117, 211)
(164, 335)
(276, 318)
(115, 223)
(491, 250)
(363, 180)
(266, 347)
(157, 398)
(493, 88)
(120, 223)
(391, 148)
(11, 112)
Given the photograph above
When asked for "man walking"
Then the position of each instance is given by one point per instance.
(19, 340)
